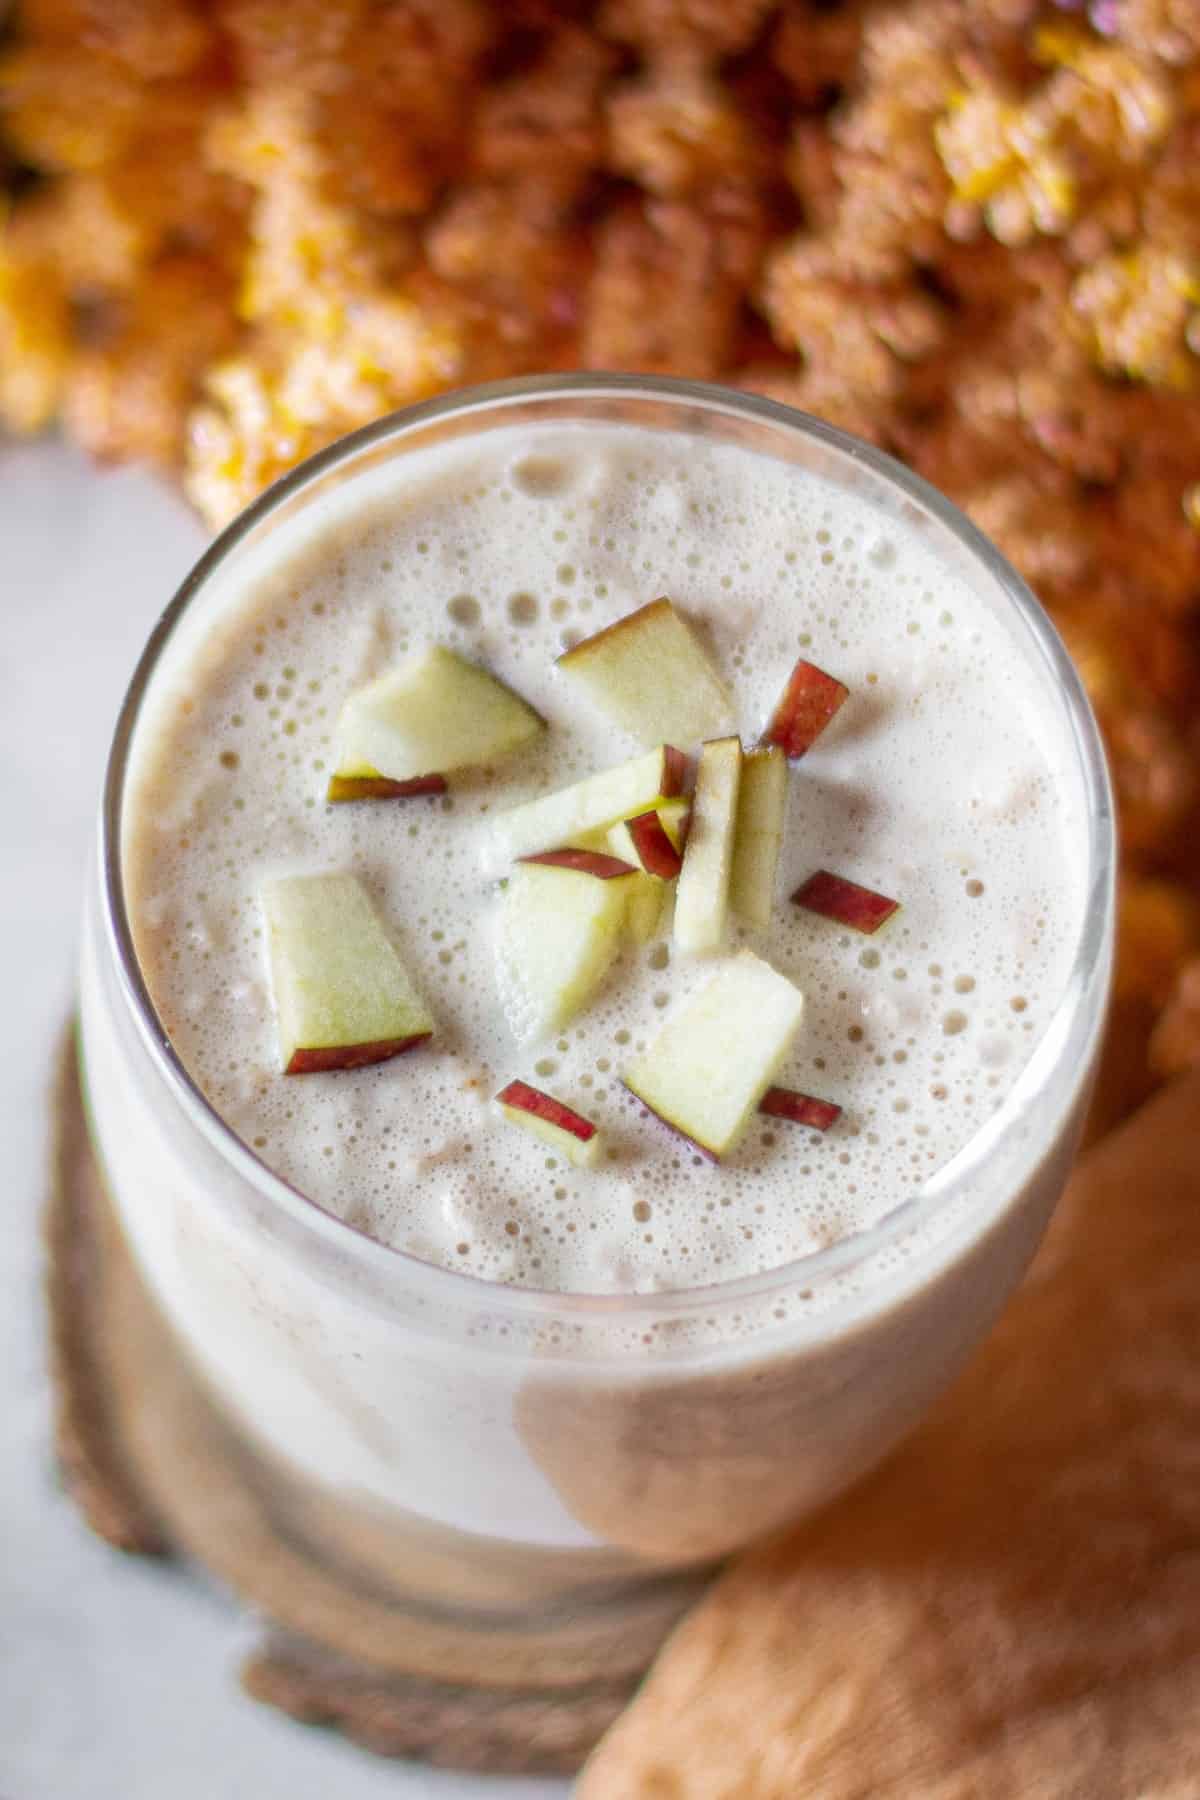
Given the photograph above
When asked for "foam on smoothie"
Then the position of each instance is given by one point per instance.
(945, 782)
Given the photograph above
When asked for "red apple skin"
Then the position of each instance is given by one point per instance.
(675, 771)
(585, 862)
(700, 1149)
(523, 1098)
(805, 708)
(657, 853)
(845, 902)
(352, 1056)
(801, 1109)
(378, 787)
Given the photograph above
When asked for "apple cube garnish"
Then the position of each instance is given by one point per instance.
(653, 846)
(641, 839)
(557, 935)
(702, 891)
(343, 997)
(556, 1124)
(645, 913)
(758, 835)
(574, 813)
(715, 1057)
(675, 816)
(801, 1109)
(649, 673)
(432, 714)
(587, 862)
(805, 708)
(644, 897)
(845, 902)
(647, 893)
(650, 839)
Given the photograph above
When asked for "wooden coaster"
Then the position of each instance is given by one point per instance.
(154, 1470)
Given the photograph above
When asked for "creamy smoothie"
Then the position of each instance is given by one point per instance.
(604, 1439)
(942, 782)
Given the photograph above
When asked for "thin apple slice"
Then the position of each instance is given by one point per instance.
(675, 817)
(343, 997)
(845, 902)
(555, 1123)
(574, 813)
(805, 708)
(645, 897)
(702, 891)
(649, 673)
(432, 714)
(670, 817)
(647, 893)
(758, 836)
(713, 1060)
(378, 787)
(646, 913)
(653, 846)
(801, 1109)
(587, 862)
(558, 933)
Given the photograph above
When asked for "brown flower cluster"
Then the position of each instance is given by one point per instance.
(966, 229)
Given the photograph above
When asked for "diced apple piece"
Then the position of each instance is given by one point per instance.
(672, 817)
(434, 713)
(644, 916)
(558, 933)
(573, 813)
(675, 817)
(343, 997)
(808, 702)
(555, 1124)
(713, 1060)
(758, 836)
(649, 673)
(801, 1109)
(647, 893)
(378, 787)
(587, 862)
(702, 892)
(845, 902)
(653, 846)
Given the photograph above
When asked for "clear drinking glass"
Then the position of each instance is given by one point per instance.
(533, 1481)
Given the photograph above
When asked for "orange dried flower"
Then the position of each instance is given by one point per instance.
(125, 397)
(969, 232)
(35, 339)
(1175, 1045)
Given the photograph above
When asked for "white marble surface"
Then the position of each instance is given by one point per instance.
(117, 1678)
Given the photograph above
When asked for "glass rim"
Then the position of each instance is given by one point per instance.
(388, 1261)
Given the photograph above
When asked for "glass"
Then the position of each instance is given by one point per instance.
(535, 1481)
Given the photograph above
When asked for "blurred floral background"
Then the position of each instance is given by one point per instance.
(968, 230)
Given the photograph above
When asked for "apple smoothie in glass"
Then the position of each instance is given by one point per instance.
(591, 977)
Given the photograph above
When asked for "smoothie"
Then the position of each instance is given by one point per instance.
(943, 782)
(641, 1369)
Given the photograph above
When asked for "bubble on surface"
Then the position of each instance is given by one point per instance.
(464, 610)
(542, 476)
(523, 608)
